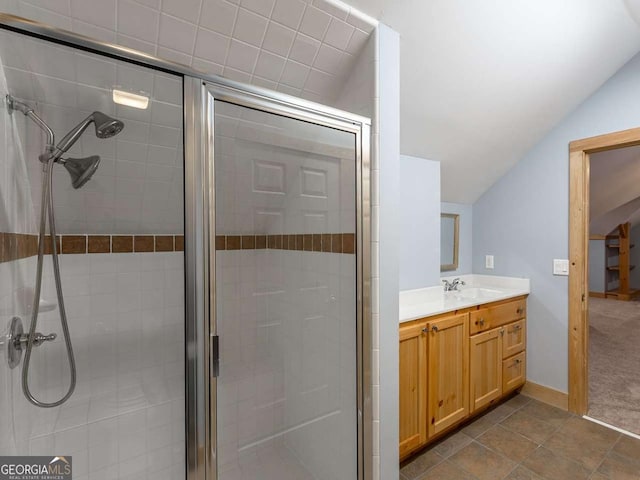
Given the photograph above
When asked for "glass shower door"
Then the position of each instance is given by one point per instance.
(286, 317)
(121, 251)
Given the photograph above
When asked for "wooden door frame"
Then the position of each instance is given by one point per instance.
(579, 152)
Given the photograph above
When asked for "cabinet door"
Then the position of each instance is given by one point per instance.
(485, 377)
(413, 388)
(515, 338)
(448, 358)
(514, 372)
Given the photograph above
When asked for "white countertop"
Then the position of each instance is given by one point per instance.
(478, 289)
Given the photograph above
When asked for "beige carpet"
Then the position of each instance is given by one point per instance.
(614, 362)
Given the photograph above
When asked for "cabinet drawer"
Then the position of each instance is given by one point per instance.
(514, 339)
(492, 317)
(514, 372)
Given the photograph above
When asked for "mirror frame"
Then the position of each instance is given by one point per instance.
(456, 228)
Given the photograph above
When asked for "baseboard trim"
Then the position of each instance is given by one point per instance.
(598, 294)
(546, 395)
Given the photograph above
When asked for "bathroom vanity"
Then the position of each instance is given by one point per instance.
(460, 352)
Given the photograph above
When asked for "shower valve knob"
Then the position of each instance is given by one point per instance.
(38, 339)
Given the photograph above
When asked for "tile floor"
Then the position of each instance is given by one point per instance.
(523, 439)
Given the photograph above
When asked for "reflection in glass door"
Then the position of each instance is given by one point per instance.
(286, 309)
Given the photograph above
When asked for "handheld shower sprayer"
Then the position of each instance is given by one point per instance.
(80, 170)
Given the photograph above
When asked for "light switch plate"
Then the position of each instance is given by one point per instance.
(560, 267)
(488, 261)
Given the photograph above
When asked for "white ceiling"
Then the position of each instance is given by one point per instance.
(482, 82)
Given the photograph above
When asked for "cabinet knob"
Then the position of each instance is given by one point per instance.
(502, 332)
(516, 328)
(517, 362)
(480, 322)
(520, 311)
(434, 328)
(425, 329)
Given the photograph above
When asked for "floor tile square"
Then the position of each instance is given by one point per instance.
(554, 467)
(508, 443)
(452, 444)
(482, 462)
(531, 427)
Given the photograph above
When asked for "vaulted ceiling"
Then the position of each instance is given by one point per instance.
(482, 82)
(614, 189)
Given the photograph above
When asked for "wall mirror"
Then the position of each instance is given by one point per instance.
(449, 226)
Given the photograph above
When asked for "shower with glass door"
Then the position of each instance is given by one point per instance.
(190, 299)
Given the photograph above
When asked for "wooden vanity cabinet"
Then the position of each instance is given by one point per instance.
(498, 333)
(514, 372)
(413, 387)
(514, 339)
(448, 372)
(493, 316)
(485, 378)
(455, 365)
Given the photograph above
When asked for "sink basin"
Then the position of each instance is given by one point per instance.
(473, 293)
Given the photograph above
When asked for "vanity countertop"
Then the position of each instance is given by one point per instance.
(478, 289)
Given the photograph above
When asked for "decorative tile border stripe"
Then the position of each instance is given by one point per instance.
(14, 246)
(316, 242)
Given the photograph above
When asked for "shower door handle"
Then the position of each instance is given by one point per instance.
(214, 355)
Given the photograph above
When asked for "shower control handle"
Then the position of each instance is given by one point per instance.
(38, 339)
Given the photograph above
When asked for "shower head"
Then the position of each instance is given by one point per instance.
(81, 169)
(106, 127)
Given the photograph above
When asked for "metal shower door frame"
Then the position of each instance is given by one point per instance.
(200, 98)
(199, 89)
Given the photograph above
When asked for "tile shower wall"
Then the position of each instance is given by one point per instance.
(301, 47)
(137, 188)
(14, 275)
(125, 419)
(126, 316)
(286, 319)
(361, 94)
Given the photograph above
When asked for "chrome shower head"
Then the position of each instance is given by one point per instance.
(81, 169)
(106, 127)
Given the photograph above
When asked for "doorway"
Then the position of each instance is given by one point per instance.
(580, 155)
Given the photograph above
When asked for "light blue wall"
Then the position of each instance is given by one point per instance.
(596, 266)
(465, 241)
(523, 219)
(419, 216)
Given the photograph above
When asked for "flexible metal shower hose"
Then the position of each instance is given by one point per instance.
(47, 207)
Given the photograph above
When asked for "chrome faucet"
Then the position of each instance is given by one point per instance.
(453, 285)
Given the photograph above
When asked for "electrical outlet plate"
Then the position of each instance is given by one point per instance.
(560, 267)
(488, 261)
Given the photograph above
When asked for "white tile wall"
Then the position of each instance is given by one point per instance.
(288, 380)
(138, 187)
(361, 95)
(224, 37)
(126, 311)
(126, 317)
(15, 277)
